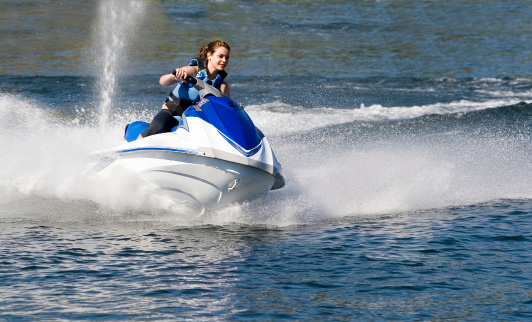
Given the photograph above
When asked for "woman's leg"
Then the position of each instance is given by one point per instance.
(164, 121)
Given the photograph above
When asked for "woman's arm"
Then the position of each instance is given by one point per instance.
(181, 74)
(225, 89)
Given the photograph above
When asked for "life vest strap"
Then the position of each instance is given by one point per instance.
(177, 105)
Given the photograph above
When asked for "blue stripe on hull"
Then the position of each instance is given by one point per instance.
(157, 149)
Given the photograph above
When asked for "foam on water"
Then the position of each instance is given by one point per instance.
(306, 119)
(403, 170)
(45, 157)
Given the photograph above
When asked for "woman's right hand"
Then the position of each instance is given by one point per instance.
(177, 75)
(180, 74)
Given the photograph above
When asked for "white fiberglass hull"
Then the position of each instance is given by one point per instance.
(196, 182)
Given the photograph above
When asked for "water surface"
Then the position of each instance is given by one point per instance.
(403, 129)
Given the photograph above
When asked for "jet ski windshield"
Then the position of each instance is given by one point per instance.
(229, 119)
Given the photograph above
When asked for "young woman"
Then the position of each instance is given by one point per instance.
(209, 66)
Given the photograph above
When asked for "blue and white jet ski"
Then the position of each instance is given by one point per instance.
(214, 157)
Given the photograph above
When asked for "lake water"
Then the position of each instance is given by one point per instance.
(404, 130)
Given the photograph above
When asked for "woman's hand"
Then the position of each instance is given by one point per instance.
(177, 75)
(180, 75)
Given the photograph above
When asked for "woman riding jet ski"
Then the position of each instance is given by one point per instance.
(214, 157)
(208, 66)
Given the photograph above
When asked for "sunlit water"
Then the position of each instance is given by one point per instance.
(403, 130)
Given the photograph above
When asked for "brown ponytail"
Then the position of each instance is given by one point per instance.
(211, 48)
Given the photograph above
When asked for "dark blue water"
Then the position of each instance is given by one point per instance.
(458, 263)
(404, 129)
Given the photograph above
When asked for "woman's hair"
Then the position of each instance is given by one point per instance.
(211, 48)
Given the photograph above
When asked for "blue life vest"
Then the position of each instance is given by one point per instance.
(187, 91)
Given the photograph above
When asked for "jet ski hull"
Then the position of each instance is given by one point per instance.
(198, 183)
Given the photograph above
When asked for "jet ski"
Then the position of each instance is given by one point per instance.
(215, 157)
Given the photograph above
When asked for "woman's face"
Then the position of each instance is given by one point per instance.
(219, 59)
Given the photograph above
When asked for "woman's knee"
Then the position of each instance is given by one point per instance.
(160, 124)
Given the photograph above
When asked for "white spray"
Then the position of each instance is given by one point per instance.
(118, 22)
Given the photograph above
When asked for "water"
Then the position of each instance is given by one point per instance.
(403, 128)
